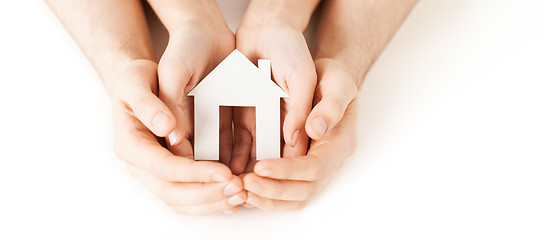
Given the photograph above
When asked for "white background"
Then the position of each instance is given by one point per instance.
(451, 139)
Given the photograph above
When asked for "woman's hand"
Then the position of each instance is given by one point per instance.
(199, 40)
(195, 47)
(292, 69)
(186, 185)
(287, 183)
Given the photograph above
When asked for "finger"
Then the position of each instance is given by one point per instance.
(244, 129)
(211, 208)
(252, 158)
(273, 205)
(301, 82)
(335, 91)
(281, 189)
(324, 157)
(231, 211)
(225, 135)
(136, 145)
(182, 194)
(300, 148)
(173, 80)
(247, 205)
(136, 90)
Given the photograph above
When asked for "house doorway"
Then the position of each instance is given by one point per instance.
(237, 134)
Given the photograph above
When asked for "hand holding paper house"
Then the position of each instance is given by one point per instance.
(236, 81)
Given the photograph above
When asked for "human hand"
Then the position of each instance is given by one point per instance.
(287, 183)
(195, 47)
(188, 186)
(293, 70)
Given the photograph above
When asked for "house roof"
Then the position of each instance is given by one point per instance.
(237, 75)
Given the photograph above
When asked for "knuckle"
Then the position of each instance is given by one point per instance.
(269, 205)
(278, 192)
(210, 196)
(317, 173)
(336, 108)
(287, 170)
(164, 171)
(139, 100)
(351, 87)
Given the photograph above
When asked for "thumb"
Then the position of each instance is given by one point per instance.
(136, 90)
(337, 91)
(152, 112)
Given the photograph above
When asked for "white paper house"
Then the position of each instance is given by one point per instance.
(237, 82)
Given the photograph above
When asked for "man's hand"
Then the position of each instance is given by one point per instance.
(268, 33)
(188, 186)
(114, 36)
(342, 62)
(287, 183)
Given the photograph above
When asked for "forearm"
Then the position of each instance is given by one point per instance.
(295, 13)
(110, 33)
(355, 32)
(173, 13)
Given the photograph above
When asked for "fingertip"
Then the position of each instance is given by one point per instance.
(237, 199)
(294, 128)
(216, 171)
(247, 205)
(237, 167)
(173, 138)
(248, 178)
(163, 123)
(262, 169)
(230, 211)
(253, 199)
(221, 176)
(316, 127)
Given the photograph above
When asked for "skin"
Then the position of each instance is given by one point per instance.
(148, 98)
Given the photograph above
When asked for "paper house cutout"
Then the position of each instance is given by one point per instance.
(236, 81)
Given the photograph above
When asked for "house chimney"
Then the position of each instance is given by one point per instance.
(264, 67)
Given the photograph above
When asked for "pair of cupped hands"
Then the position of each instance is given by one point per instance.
(150, 102)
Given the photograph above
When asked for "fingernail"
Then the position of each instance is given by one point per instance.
(219, 178)
(294, 140)
(228, 212)
(236, 200)
(160, 122)
(253, 187)
(254, 200)
(247, 205)
(265, 172)
(232, 189)
(173, 138)
(319, 125)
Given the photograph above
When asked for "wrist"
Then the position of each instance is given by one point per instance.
(174, 14)
(124, 71)
(294, 14)
(341, 65)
